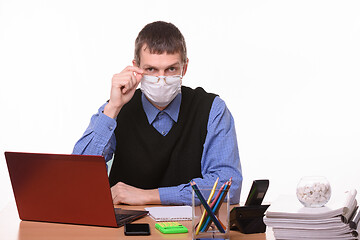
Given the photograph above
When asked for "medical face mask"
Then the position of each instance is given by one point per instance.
(161, 90)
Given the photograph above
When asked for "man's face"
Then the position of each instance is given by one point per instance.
(161, 64)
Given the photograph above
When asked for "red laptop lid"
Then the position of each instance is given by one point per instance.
(61, 188)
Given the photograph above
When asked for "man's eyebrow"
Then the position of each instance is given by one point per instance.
(172, 65)
(148, 66)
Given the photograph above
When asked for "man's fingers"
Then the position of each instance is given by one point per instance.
(115, 193)
(123, 86)
(134, 69)
(137, 74)
(116, 200)
(129, 85)
(138, 78)
(125, 81)
(137, 84)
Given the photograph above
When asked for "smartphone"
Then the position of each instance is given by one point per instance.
(132, 229)
(257, 192)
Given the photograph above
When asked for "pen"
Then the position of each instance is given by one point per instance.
(206, 206)
(208, 201)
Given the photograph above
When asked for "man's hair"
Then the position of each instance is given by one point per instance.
(160, 37)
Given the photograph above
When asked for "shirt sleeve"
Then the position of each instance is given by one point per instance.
(220, 159)
(99, 137)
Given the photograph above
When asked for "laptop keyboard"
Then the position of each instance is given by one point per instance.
(126, 216)
(120, 217)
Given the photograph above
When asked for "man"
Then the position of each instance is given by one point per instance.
(162, 135)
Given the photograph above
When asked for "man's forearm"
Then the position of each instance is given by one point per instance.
(98, 138)
(123, 193)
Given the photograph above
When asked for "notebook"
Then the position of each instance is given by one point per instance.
(173, 213)
(64, 188)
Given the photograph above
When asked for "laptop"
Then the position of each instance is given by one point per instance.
(64, 188)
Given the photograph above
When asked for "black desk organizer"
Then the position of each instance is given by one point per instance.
(248, 219)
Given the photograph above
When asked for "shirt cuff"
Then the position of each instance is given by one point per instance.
(171, 195)
(104, 125)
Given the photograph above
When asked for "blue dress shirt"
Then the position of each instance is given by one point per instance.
(220, 156)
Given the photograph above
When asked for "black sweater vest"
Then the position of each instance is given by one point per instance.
(146, 159)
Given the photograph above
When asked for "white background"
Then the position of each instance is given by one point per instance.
(288, 71)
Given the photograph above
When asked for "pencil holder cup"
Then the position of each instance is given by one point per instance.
(215, 225)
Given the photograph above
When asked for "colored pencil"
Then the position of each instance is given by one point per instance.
(212, 205)
(207, 207)
(208, 201)
(216, 206)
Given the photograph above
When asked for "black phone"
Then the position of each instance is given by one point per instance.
(257, 192)
(132, 229)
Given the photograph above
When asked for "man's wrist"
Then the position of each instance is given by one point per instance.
(111, 111)
(153, 196)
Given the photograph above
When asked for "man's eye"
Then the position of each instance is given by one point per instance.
(149, 69)
(172, 69)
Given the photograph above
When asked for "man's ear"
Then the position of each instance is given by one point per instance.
(134, 63)
(185, 67)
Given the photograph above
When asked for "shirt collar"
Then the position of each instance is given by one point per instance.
(172, 109)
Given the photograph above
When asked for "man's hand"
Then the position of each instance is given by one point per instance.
(123, 86)
(126, 194)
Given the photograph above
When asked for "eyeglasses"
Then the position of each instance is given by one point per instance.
(167, 79)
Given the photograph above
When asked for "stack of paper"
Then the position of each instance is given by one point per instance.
(289, 219)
